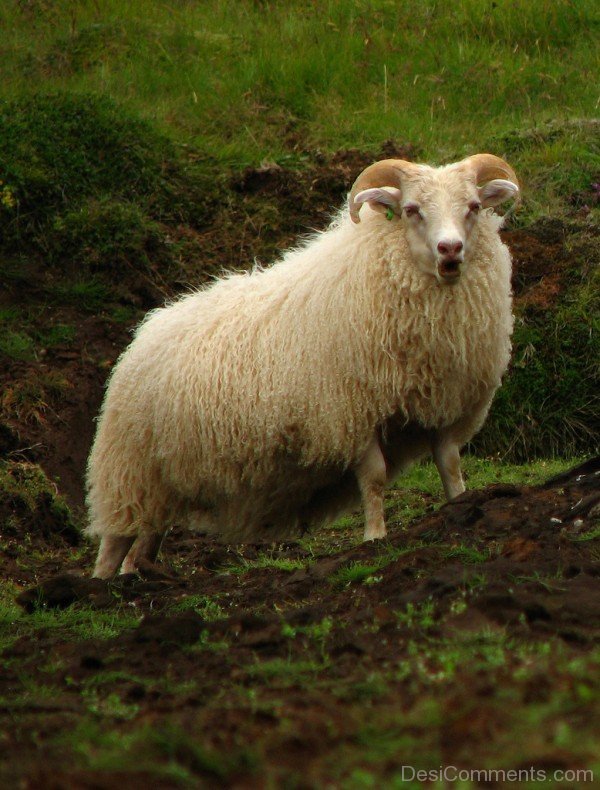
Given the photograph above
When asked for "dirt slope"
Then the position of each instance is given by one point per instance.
(278, 664)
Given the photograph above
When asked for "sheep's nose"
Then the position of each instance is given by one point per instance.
(450, 247)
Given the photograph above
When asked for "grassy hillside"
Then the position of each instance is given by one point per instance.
(245, 80)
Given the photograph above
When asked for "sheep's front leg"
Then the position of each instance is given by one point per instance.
(371, 477)
(447, 460)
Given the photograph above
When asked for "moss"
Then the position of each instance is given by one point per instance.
(550, 402)
(79, 175)
(17, 345)
(106, 235)
(31, 505)
(86, 293)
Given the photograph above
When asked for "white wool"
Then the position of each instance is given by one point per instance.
(235, 404)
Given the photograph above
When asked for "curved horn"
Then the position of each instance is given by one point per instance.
(386, 173)
(487, 167)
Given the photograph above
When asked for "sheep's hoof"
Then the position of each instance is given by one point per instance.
(375, 534)
(149, 571)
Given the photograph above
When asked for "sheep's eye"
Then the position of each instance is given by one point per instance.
(412, 210)
(474, 207)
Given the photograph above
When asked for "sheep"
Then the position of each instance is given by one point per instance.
(270, 402)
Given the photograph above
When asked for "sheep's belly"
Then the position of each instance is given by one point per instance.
(300, 499)
(286, 506)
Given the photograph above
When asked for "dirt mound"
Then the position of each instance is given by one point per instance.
(31, 509)
(524, 553)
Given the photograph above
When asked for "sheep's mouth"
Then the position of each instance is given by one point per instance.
(449, 270)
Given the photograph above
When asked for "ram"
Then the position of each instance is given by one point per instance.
(270, 402)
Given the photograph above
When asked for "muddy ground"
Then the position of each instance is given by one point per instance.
(325, 665)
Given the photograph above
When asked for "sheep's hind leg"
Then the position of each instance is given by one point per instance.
(111, 554)
(144, 550)
(371, 477)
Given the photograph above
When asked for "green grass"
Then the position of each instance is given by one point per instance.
(170, 753)
(589, 534)
(285, 672)
(207, 607)
(467, 555)
(316, 631)
(88, 294)
(17, 345)
(550, 401)
(77, 622)
(479, 472)
(264, 561)
(413, 494)
(91, 184)
(523, 731)
(229, 76)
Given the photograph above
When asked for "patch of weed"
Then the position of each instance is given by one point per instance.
(78, 622)
(108, 705)
(30, 503)
(550, 402)
(107, 235)
(171, 753)
(124, 314)
(89, 294)
(315, 630)
(30, 397)
(57, 335)
(417, 615)
(203, 605)
(366, 573)
(267, 561)
(466, 554)
(92, 187)
(285, 670)
(354, 573)
(590, 534)
(17, 345)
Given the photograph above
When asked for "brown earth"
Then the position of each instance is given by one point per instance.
(517, 559)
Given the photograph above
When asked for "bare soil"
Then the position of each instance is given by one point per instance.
(533, 577)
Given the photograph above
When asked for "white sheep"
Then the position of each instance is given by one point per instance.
(270, 402)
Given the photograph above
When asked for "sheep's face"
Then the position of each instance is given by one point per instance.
(439, 210)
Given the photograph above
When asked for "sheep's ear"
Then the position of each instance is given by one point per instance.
(497, 191)
(380, 198)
